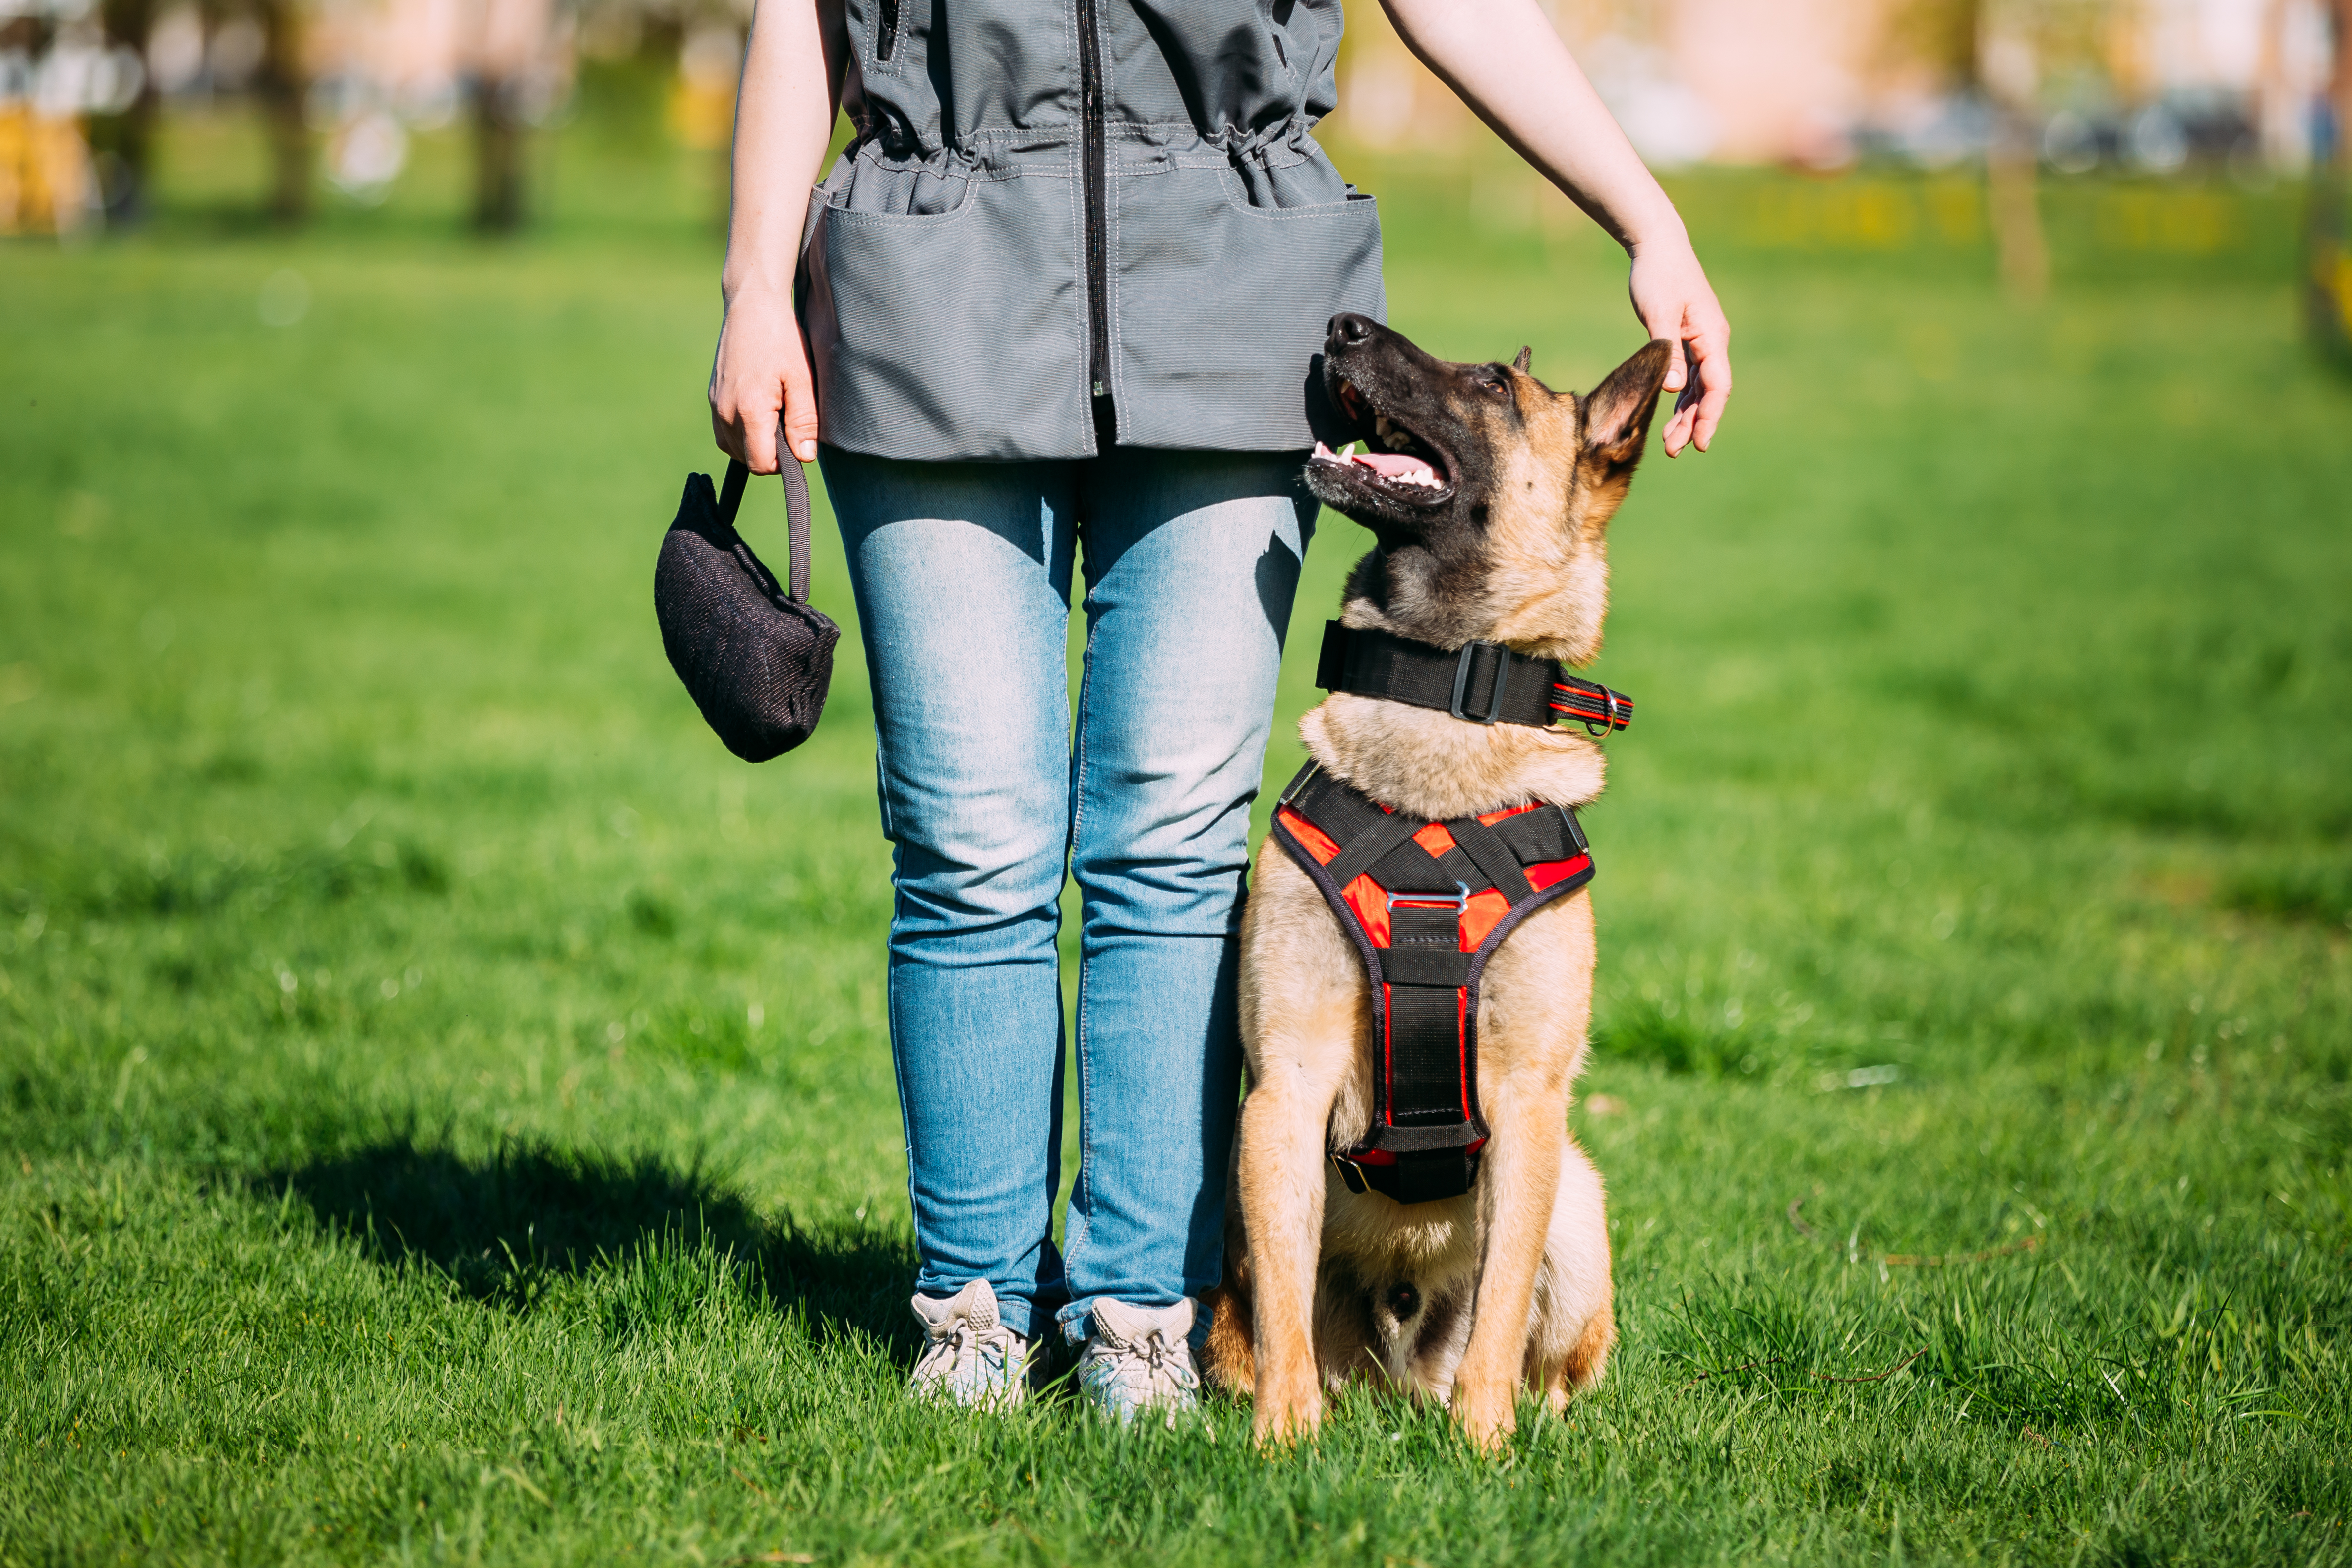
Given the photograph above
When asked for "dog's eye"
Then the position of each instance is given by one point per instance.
(1494, 383)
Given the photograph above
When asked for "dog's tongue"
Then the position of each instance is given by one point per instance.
(1387, 465)
(1395, 465)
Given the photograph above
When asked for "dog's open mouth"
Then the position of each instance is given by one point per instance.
(1401, 464)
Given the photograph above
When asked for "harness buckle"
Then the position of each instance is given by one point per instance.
(1457, 900)
(1576, 837)
(1462, 681)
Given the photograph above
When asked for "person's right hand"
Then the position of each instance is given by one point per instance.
(760, 382)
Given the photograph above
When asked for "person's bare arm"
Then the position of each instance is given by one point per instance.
(1506, 63)
(784, 120)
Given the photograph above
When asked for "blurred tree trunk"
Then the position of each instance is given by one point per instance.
(1956, 38)
(130, 135)
(505, 56)
(284, 87)
(2013, 202)
(2327, 246)
(497, 154)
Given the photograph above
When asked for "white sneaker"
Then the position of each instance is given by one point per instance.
(1138, 1359)
(972, 1358)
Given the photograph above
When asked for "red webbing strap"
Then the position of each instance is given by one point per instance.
(1590, 703)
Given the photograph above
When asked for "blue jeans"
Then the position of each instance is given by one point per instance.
(963, 572)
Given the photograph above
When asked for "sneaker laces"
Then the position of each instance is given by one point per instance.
(948, 1342)
(1159, 1364)
(1140, 1358)
(970, 1351)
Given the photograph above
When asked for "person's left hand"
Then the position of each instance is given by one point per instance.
(1674, 300)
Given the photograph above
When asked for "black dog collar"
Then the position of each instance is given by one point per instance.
(1484, 682)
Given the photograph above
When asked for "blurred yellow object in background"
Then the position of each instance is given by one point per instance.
(46, 183)
(702, 99)
(701, 117)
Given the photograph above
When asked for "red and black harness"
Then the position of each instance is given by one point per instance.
(1428, 902)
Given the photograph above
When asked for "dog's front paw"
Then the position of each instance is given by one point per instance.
(1487, 1415)
(1281, 1422)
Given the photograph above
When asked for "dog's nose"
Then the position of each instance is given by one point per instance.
(1349, 328)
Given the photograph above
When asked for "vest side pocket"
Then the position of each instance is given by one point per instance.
(1220, 308)
(952, 335)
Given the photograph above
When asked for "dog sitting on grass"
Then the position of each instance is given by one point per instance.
(1489, 496)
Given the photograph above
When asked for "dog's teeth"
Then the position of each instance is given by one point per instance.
(1349, 456)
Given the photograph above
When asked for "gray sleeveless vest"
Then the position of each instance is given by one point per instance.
(1049, 203)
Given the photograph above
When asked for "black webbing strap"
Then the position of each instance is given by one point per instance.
(1484, 682)
(796, 517)
(1493, 855)
(1426, 1133)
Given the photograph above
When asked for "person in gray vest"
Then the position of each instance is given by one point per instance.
(1055, 311)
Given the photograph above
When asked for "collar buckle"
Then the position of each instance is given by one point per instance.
(1462, 681)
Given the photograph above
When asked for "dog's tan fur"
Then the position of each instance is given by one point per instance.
(1316, 1274)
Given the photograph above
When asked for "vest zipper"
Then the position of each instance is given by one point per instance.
(1097, 249)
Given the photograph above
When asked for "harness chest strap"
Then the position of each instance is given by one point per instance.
(1426, 903)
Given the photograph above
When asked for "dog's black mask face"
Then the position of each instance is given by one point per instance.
(1424, 420)
(1489, 493)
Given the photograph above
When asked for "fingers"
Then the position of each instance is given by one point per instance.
(725, 431)
(800, 411)
(1715, 379)
(744, 421)
(1678, 432)
(762, 397)
(758, 433)
(1672, 331)
(1673, 300)
(1699, 410)
(741, 431)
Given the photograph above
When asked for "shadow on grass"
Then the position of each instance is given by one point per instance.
(505, 1229)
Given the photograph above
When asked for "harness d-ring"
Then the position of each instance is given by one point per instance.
(1609, 724)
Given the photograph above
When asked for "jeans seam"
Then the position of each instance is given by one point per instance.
(1084, 1187)
(898, 1064)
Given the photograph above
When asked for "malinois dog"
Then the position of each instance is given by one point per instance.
(1489, 496)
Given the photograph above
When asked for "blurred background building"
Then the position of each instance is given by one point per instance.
(2152, 87)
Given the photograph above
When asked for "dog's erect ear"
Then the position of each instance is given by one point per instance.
(1526, 357)
(1617, 413)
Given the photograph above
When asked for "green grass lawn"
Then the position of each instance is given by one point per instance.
(445, 1102)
